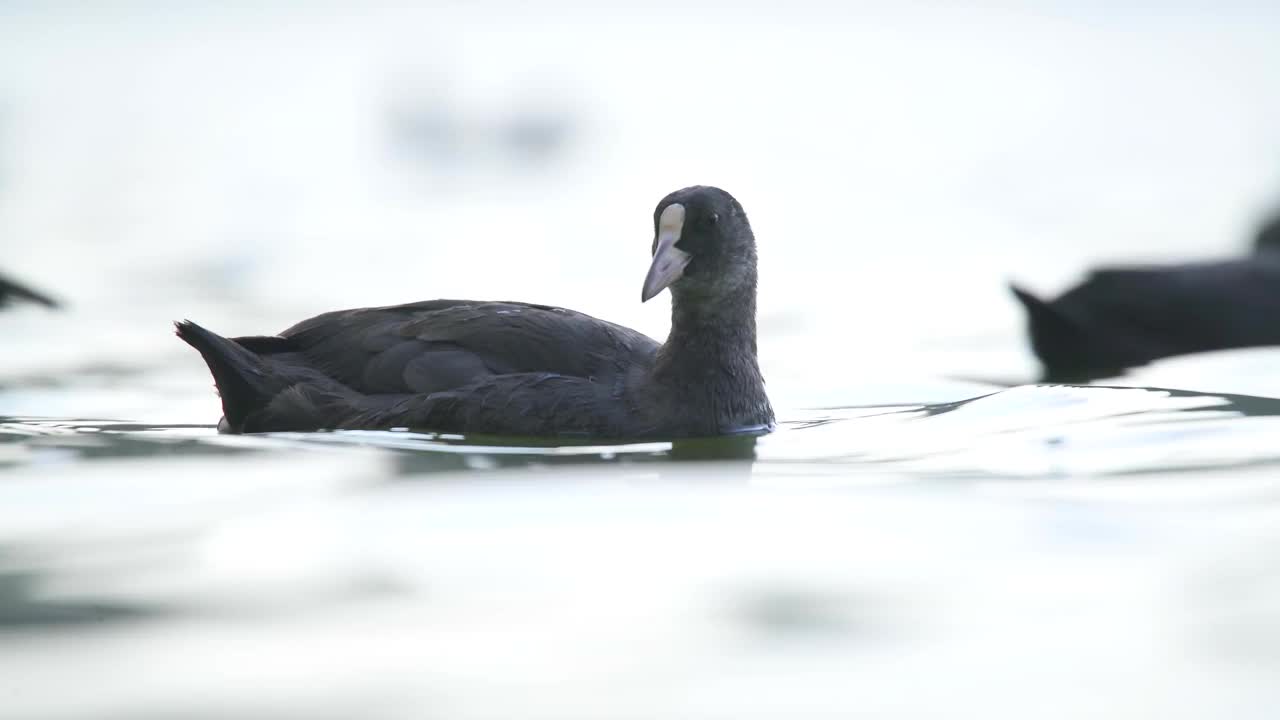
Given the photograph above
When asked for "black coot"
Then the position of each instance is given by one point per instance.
(519, 369)
(1120, 318)
(13, 291)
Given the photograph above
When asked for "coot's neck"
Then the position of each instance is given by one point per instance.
(708, 362)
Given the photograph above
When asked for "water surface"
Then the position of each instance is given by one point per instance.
(927, 533)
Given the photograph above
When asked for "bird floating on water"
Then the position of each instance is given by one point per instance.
(1124, 317)
(518, 369)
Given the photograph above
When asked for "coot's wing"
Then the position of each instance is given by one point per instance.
(439, 345)
(1183, 309)
(522, 404)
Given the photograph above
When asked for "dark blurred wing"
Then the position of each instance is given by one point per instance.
(11, 290)
(440, 345)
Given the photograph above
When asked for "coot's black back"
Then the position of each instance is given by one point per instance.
(1122, 318)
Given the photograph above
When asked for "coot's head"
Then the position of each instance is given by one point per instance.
(702, 246)
(1268, 239)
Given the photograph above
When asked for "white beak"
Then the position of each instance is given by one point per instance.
(669, 261)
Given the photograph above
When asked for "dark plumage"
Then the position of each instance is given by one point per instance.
(11, 291)
(1268, 239)
(519, 369)
(1120, 318)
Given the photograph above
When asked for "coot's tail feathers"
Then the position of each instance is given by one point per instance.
(1043, 316)
(242, 381)
(10, 290)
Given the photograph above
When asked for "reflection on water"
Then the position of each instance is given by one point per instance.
(22, 607)
(390, 575)
(901, 547)
(1149, 423)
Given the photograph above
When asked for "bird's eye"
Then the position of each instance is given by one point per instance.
(712, 218)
